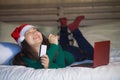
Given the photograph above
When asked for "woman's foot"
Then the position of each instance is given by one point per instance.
(63, 21)
(73, 26)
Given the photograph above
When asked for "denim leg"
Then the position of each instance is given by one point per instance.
(83, 43)
(76, 52)
(64, 41)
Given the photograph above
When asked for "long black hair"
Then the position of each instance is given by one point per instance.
(27, 51)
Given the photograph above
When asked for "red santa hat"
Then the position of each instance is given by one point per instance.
(18, 33)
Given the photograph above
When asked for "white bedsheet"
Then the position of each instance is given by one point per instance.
(106, 72)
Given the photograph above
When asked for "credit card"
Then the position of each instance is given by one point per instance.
(43, 50)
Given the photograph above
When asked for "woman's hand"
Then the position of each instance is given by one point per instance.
(53, 39)
(45, 61)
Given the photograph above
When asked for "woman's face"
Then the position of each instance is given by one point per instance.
(33, 37)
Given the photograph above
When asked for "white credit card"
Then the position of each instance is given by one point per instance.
(43, 50)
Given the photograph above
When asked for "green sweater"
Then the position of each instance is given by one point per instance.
(57, 58)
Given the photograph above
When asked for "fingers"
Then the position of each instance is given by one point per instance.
(53, 36)
(45, 61)
(44, 58)
(53, 39)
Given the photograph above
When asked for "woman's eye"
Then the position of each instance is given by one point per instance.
(29, 33)
(32, 31)
(37, 30)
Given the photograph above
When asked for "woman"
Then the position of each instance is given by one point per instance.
(30, 40)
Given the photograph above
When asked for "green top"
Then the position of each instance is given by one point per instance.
(57, 58)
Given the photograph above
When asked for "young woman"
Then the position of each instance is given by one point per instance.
(30, 40)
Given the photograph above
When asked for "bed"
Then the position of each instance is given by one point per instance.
(108, 31)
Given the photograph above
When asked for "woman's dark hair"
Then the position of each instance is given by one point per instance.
(27, 51)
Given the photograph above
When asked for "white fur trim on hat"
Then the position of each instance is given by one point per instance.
(22, 37)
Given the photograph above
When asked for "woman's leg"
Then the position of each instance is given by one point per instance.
(64, 41)
(82, 42)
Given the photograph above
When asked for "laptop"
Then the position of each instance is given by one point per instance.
(101, 55)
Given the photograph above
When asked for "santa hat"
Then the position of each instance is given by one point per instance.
(18, 33)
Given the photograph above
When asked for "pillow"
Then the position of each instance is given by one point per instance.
(108, 31)
(7, 52)
(115, 55)
(5, 32)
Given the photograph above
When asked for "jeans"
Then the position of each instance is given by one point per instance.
(84, 51)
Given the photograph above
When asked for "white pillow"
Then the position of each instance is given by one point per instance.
(7, 52)
(5, 32)
(108, 31)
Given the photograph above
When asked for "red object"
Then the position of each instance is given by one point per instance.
(101, 53)
(76, 23)
(63, 21)
(16, 33)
